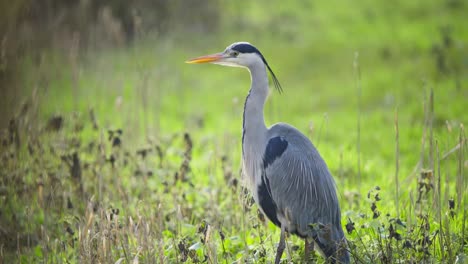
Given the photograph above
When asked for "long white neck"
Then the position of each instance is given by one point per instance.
(254, 129)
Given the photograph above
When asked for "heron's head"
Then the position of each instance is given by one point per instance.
(238, 54)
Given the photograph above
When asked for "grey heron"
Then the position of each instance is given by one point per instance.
(288, 178)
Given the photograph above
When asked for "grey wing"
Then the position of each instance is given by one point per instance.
(301, 187)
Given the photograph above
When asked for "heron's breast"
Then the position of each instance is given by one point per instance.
(252, 170)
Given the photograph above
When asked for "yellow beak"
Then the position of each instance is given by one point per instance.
(207, 58)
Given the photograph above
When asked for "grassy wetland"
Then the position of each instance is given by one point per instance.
(113, 150)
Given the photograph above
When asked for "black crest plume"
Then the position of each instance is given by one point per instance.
(248, 48)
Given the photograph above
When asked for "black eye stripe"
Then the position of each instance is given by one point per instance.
(248, 48)
(245, 48)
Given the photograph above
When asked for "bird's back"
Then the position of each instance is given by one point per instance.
(302, 188)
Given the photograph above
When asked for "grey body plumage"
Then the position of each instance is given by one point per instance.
(288, 178)
(304, 191)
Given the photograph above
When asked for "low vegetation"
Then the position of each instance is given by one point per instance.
(127, 155)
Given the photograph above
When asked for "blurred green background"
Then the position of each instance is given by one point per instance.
(349, 69)
(127, 58)
(125, 61)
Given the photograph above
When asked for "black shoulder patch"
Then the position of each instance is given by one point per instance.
(266, 202)
(274, 149)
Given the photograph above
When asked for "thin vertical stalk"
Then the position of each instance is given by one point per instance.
(460, 183)
(438, 200)
(397, 164)
(430, 121)
(437, 193)
(359, 91)
(424, 132)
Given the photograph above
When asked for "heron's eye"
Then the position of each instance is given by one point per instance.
(234, 53)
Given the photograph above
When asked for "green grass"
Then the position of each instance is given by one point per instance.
(148, 92)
